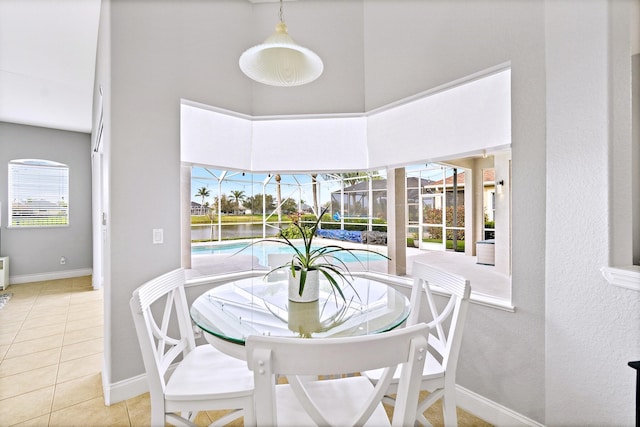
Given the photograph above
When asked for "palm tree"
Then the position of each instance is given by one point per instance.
(238, 196)
(202, 192)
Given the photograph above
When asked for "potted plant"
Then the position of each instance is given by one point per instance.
(308, 262)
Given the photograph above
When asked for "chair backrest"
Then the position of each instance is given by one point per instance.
(446, 325)
(160, 342)
(277, 259)
(300, 358)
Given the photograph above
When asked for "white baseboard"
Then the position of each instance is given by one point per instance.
(53, 275)
(125, 389)
(490, 411)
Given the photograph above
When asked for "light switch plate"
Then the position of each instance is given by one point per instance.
(158, 236)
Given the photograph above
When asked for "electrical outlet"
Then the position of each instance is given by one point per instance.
(63, 261)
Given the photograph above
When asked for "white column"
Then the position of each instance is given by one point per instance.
(502, 169)
(396, 221)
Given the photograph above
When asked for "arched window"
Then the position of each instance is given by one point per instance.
(38, 193)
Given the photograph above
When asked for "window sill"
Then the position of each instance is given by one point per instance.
(492, 302)
(476, 298)
(623, 277)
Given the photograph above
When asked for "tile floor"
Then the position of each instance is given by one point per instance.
(51, 341)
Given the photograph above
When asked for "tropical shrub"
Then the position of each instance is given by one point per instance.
(434, 216)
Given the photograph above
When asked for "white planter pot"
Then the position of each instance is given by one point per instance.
(311, 290)
(304, 318)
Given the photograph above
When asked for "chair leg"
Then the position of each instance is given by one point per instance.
(449, 407)
(158, 417)
(249, 415)
(157, 420)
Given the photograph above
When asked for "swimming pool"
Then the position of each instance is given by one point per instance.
(261, 250)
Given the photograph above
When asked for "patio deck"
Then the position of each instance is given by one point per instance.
(484, 278)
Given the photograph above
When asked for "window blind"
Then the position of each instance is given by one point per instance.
(38, 193)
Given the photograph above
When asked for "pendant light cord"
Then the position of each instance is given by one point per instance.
(281, 12)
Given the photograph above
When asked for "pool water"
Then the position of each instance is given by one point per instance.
(262, 250)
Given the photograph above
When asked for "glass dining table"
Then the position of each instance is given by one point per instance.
(232, 311)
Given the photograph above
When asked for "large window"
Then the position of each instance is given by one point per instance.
(38, 193)
(447, 212)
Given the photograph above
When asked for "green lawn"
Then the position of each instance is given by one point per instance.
(460, 243)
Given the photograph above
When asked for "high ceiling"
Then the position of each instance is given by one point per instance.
(47, 62)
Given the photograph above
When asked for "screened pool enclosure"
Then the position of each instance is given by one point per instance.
(231, 205)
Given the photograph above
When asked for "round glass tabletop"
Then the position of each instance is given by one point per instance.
(253, 306)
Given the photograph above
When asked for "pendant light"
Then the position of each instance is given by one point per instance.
(280, 61)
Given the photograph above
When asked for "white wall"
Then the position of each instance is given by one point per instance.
(157, 53)
(468, 117)
(592, 329)
(459, 120)
(206, 132)
(35, 252)
(502, 356)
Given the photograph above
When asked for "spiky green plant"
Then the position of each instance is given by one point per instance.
(308, 258)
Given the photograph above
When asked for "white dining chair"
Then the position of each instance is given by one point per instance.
(204, 379)
(342, 401)
(445, 338)
(275, 260)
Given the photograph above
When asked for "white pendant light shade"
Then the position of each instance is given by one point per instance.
(280, 61)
